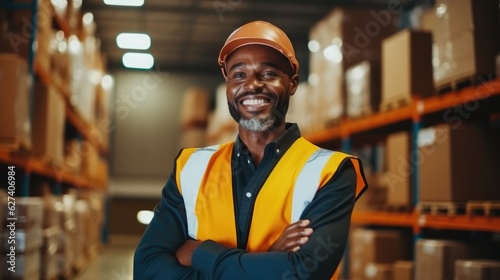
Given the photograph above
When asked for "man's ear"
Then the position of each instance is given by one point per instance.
(294, 83)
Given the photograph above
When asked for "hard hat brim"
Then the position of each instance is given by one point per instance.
(240, 42)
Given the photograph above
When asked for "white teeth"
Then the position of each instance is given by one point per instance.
(253, 101)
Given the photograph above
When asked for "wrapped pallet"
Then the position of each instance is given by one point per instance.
(406, 68)
(342, 39)
(15, 131)
(465, 40)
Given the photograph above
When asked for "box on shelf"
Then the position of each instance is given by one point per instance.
(28, 225)
(221, 126)
(406, 68)
(83, 81)
(403, 270)
(435, 259)
(192, 138)
(399, 170)
(363, 89)
(465, 41)
(300, 108)
(15, 131)
(48, 124)
(83, 219)
(60, 59)
(378, 271)
(376, 246)
(93, 229)
(66, 251)
(343, 38)
(376, 198)
(27, 266)
(49, 267)
(477, 269)
(17, 31)
(89, 160)
(194, 108)
(458, 164)
(73, 155)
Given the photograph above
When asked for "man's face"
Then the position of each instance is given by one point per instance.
(259, 86)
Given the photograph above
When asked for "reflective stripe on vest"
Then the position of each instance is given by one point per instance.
(191, 176)
(307, 182)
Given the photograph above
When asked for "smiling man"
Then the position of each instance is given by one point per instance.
(269, 205)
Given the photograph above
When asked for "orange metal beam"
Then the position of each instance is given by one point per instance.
(413, 111)
(462, 222)
(38, 166)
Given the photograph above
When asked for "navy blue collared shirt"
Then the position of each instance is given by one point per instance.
(329, 213)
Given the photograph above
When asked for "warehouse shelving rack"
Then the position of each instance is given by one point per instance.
(412, 113)
(30, 165)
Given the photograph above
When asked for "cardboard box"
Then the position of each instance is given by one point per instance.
(376, 246)
(194, 108)
(404, 270)
(464, 46)
(363, 89)
(375, 271)
(435, 259)
(406, 67)
(27, 266)
(376, 197)
(300, 108)
(477, 269)
(343, 38)
(48, 124)
(399, 169)
(28, 214)
(192, 138)
(458, 164)
(15, 130)
(90, 160)
(51, 237)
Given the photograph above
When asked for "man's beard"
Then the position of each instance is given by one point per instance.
(256, 124)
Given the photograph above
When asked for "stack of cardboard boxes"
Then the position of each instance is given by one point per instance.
(22, 238)
(406, 68)
(14, 103)
(194, 117)
(466, 39)
(69, 70)
(221, 126)
(373, 252)
(457, 159)
(343, 39)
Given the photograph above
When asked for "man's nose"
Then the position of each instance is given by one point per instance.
(254, 83)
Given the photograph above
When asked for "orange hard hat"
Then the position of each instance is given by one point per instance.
(258, 33)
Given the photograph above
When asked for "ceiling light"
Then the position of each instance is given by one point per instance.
(134, 3)
(138, 60)
(134, 41)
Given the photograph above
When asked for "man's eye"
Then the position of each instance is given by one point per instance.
(269, 74)
(238, 75)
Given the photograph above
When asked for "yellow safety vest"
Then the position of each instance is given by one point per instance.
(204, 179)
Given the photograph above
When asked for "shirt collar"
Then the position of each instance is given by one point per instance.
(281, 144)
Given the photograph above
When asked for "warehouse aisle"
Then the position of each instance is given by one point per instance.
(115, 262)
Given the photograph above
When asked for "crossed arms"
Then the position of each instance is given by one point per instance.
(166, 251)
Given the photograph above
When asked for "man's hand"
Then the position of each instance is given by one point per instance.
(294, 236)
(185, 253)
